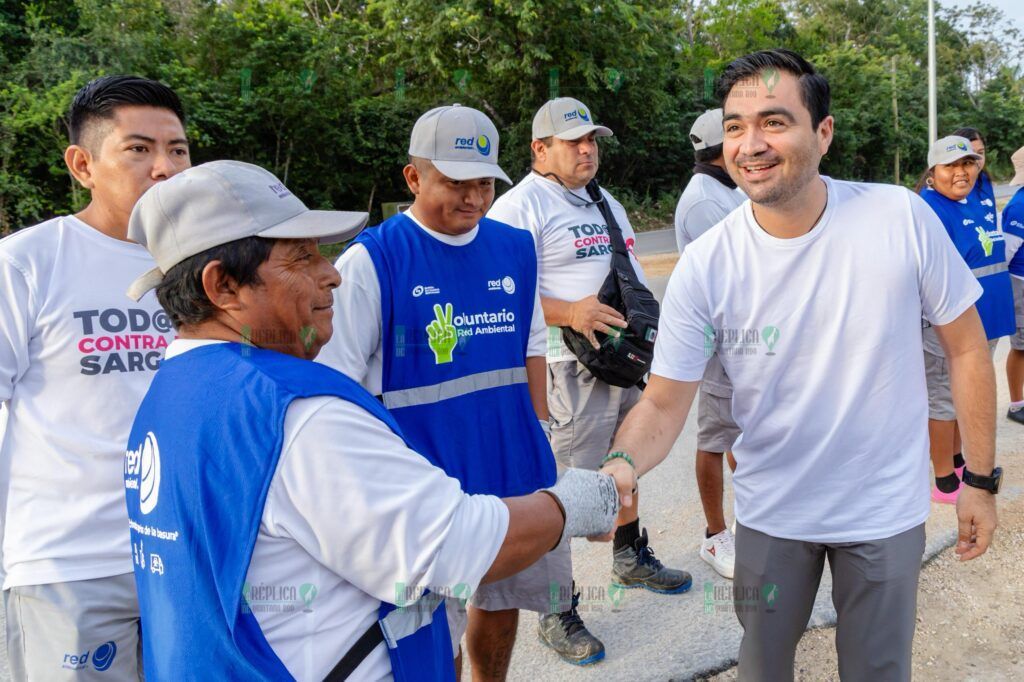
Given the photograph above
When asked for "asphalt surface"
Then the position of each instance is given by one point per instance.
(664, 241)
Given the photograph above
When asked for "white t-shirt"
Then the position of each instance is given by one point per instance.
(704, 203)
(353, 518)
(355, 348)
(821, 336)
(76, 357)
(573, 247)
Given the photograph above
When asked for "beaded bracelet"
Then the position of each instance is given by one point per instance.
(617, 455)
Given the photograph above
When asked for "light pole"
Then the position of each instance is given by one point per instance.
(932, 108)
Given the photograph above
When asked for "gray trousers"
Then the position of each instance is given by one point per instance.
(874, 589)
(75, 631)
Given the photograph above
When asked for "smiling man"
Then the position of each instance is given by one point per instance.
(813, 292)
(76, 357)
(438, 313)
(280, 524)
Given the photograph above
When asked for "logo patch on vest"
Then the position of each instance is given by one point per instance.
(142, 472)
(506, 284)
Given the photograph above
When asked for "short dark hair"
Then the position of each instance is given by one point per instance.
(101, 97)
(971, 134)
(548, 141)
(181, 292)
(708, 154)
(814, 88)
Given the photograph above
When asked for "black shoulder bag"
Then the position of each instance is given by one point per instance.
(626, 360)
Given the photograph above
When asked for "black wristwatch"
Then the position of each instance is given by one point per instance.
(989, 483)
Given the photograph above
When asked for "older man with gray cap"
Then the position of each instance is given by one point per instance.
(574, 251)
(709, 197)
(281, 526)
(438, 313)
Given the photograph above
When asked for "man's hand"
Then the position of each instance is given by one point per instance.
(976, 513)
(589, 315)
(625, 481)
(441, 334)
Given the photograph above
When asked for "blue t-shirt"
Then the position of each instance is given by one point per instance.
(1013, 226)
(972, 226)
(984, 193)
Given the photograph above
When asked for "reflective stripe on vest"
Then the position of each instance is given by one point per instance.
(987, 270)
(405, 620)
(435, 393)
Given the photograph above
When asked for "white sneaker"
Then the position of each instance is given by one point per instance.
(720, 551)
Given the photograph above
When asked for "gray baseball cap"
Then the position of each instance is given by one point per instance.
(948, 149)
(460, 141)
(219, 202)
(567, 119)
(707, 130)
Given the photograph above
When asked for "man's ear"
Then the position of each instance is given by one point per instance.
(412, 178)
(825, 130)
(540, 150)
(220, 288)
(79, 161)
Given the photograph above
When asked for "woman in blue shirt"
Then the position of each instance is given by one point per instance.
(971, 225)
(983, 192)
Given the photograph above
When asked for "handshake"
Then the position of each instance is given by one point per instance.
(590, 500)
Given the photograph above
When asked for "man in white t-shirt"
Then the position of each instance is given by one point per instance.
(813, 292)
(486, 393)
(574, 258)
(282, 526)
(709, 197)
(76, 357)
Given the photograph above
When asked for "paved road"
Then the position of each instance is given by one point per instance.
(655, 242)
(664, 241)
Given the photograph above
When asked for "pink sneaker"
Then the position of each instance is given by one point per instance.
(946, 498)
(960, 473)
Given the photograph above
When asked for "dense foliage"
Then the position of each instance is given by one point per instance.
(324, 92)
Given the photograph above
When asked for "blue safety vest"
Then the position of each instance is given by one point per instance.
(983, 192)
(456, 324)
(972, 227)
(1013, 223)
(201, 455)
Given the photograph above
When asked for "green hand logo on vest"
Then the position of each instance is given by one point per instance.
(986, 241)
(441, 334)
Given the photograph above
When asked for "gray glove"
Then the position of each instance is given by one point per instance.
(589, 501)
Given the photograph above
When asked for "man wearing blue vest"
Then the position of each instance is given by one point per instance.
(438, 313)
(281, 527)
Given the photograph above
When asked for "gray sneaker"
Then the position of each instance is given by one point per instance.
(637, 566)
(568, 637)
(1016, 415)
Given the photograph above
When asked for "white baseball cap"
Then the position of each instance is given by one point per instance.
(460, 141)
(706, 131)
(219, 202)
(567, 119)
(1018, 167)
(948, 149)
